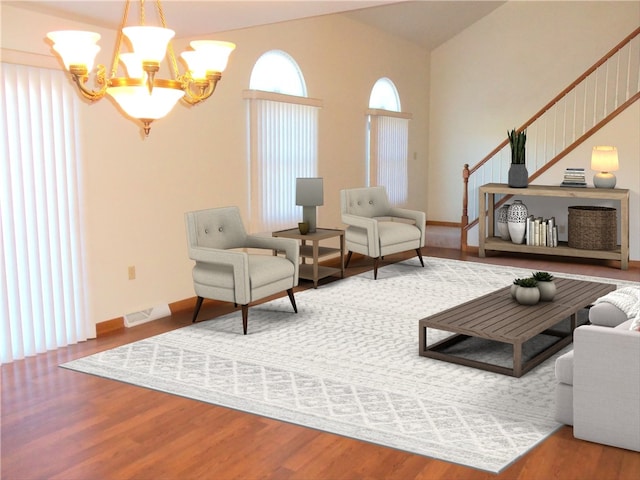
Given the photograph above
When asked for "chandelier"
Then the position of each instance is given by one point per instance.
(141, 94)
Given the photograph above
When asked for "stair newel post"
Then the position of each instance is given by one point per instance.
(464, 221)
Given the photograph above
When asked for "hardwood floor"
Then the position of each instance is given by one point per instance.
(59, 424)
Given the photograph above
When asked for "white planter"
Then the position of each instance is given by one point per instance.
(547, 291)
(527, 295)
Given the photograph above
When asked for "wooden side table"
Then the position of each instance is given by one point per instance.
(311, 249)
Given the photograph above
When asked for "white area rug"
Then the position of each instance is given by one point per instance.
(348, 363)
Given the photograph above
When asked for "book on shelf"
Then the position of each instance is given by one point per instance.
(542, 232)
(574, 177)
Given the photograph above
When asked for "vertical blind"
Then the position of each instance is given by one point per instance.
(42, 290)
(389, 140)
(283, 146)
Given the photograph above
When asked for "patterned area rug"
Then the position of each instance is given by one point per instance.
(348, 363)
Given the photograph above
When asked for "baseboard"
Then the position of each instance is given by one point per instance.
(432, 223)
(109, 326)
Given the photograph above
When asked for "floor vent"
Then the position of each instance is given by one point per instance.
(144, 316)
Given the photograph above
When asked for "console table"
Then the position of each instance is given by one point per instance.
(314, 271)
(486, 221)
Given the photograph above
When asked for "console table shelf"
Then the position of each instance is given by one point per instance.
(486, 221)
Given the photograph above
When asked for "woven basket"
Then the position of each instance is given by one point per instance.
(593, 228)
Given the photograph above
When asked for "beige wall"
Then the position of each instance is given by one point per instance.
(137, 190)
(500, 71)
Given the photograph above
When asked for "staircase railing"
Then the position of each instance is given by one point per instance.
(575, 114)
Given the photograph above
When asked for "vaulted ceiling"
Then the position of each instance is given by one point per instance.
(426, 22)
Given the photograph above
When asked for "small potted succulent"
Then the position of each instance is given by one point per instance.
(527, 292)
(546, 285)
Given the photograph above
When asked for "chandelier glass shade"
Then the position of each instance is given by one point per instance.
(140, 93)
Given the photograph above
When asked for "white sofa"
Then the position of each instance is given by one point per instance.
(598, 389)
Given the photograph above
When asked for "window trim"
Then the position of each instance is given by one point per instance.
(388, 113)
(281, 97)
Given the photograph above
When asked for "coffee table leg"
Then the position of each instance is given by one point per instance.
(574, 321)
(517, 359)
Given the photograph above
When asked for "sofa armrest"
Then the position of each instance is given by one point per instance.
(606, 386)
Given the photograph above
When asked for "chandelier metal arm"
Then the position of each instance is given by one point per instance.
(198, 91)
(81, 76)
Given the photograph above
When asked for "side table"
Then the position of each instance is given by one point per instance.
(314, 271)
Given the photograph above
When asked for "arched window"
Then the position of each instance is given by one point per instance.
(275, 71)
(388, 141)
(384, 96)
(283, 140)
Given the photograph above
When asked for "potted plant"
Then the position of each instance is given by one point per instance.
(546, 285)
(518, 175)
(527, 292)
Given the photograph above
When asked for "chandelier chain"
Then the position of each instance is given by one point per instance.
(171, 54)
(116, 54)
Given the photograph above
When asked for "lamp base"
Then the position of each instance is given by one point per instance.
(309, 217)
(604, 180)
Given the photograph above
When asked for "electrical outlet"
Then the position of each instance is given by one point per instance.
(560, 228)
(132, 272)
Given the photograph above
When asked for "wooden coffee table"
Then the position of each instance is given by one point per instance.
(498, 317)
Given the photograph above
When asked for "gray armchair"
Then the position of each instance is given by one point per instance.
(376, 229)
(222, 273)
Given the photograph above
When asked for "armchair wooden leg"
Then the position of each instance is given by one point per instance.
(346, 264)
(293, 300)
(420, 256)
(245, 318)
(375, 267)
(197, 309)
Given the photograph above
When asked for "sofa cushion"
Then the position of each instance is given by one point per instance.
(606, 314)
(624, 325)
(564, 368)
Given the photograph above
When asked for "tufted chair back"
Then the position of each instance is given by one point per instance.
(365, 202)
(216, 228)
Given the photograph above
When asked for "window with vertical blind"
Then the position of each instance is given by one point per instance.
(42, 290)
(388, 141)
(283, 140)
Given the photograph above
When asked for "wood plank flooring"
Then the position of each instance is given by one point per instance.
(59, 424)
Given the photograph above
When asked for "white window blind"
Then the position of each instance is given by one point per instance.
(388, 141)
(42, 290)
(388, 153)
(283, 146)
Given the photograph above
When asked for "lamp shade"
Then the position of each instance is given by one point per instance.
(133, 64)
(137, 102)
(76, 47)
(604, 159)
(209, 55)
(309, 192)
(149, 43)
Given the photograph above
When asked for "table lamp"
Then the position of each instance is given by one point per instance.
(604, 159)
(309, 196)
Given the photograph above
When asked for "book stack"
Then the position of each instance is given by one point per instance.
(574, 177)
(542, 231)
